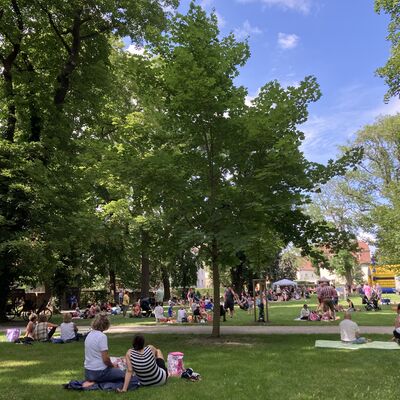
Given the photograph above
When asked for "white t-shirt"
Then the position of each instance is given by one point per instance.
(159, 312)
(67, 330)
(305, 312)
(181, 315)
(348, 330)
(95, 343)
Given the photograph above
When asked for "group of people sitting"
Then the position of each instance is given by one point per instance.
(41, 330)
(145, 365)
(287, 293)
(324, 313)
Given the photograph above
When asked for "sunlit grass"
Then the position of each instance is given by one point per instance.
(233, 367)
(280, 313)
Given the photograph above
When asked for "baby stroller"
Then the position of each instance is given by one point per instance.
(370, 304)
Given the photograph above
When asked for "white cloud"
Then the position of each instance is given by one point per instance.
(325, 132)
(287, 40)
(249, 98)
(246, 30)
(206, 3)
(221, 20)
(134, 49)
(303, 6)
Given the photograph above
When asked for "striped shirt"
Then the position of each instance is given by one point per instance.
(146, 369)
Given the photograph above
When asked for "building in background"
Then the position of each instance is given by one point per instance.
(307, 272)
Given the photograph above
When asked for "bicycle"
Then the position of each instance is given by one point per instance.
(24, 309)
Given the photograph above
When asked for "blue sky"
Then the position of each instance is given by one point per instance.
(340, 42)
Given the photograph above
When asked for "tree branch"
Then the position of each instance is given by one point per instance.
(64, 77)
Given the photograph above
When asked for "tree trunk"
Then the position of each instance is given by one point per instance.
(237, 276)
(165, 280)
(349, 277)
(145, 278)
(5, 282)
(216, 282)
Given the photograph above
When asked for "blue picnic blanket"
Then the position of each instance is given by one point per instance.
(108, 386)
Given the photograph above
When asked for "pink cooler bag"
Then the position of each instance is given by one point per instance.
(175, 364)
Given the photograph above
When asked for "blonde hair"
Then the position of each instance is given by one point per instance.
(32, 317)
(101, 322)
(67, 317)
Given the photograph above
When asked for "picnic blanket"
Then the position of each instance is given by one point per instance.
(107, 386)
(337, 344)
(321, 320)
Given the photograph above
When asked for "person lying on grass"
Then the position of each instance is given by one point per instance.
(146, 362)
(98, 366)
(350, 332)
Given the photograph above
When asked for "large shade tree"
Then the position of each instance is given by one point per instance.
(242, 174)
(56, 70)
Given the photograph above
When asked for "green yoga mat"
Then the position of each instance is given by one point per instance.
(337, 344)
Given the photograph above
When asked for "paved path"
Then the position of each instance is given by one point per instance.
(233, 330)
(245, 330)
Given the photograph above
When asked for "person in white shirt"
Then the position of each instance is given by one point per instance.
(68, 329)
(98, 365)
(305, 312)
(182, 316)
(350, 332)
(159, 313)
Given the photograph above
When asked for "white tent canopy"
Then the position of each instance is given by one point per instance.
(284, 282)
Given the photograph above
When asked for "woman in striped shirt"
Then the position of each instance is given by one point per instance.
(146, 362)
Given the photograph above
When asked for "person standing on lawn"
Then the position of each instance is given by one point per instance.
(125, 303)
(229, 297)
(327, 294)
(350, 332)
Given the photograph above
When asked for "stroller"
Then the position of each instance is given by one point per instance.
(370, 304)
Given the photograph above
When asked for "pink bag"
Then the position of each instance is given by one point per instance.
(175, 363)
(13, 335)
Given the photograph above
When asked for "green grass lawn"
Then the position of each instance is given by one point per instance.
(234, 367)
(280, 313)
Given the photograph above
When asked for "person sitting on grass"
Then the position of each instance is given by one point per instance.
(182, 315)
(28, 337)
(43, 330)
(350, 305)
(199, 314)
(68, 329)
(350, 332)
(146, 362)
(159, 314)
(98, 365)
(136, 311)
(305, 313)
(396, 332)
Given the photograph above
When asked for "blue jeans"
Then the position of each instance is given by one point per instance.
(106, 375)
